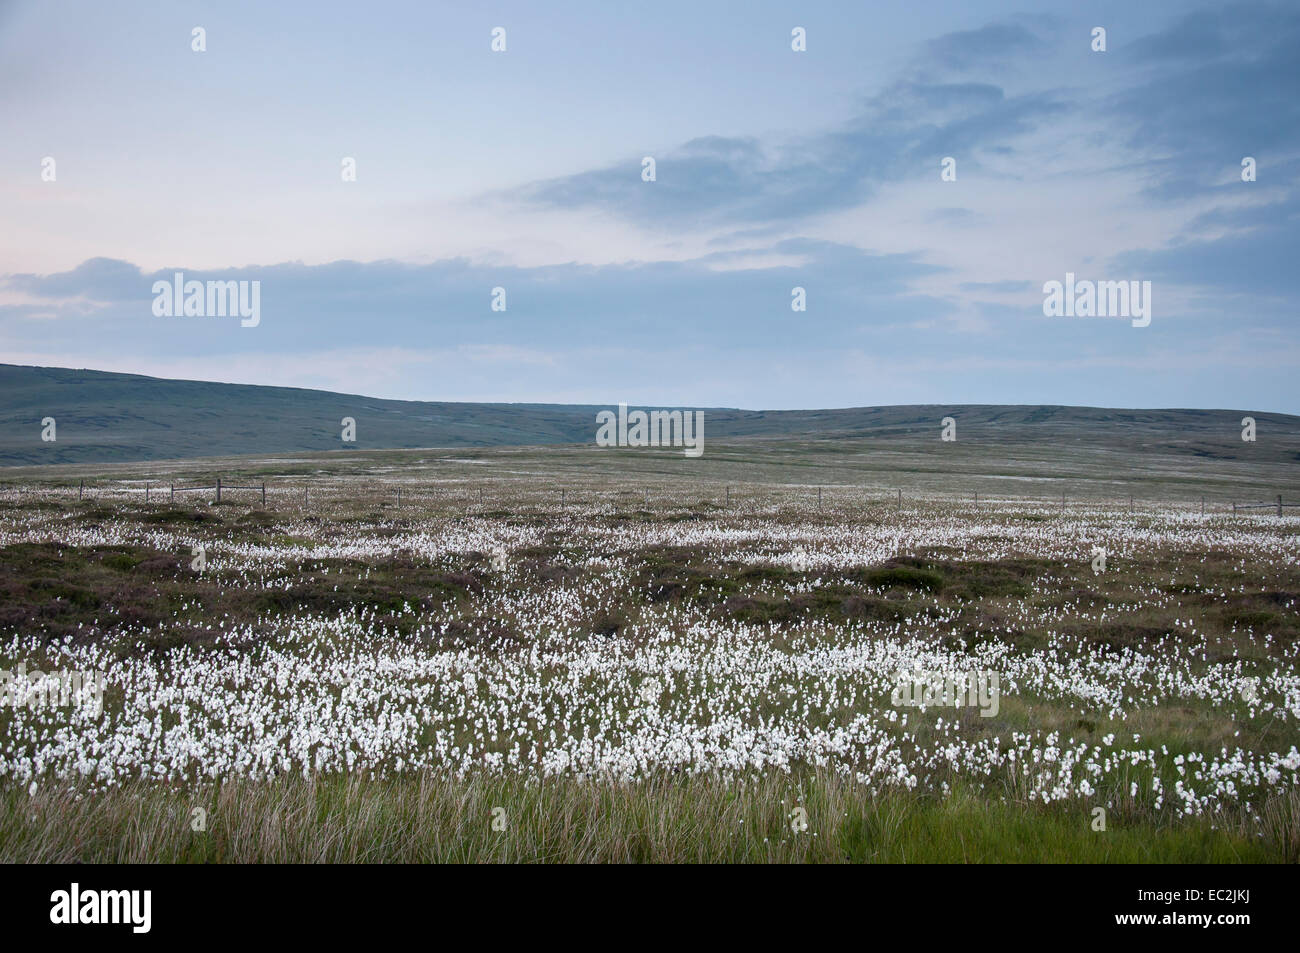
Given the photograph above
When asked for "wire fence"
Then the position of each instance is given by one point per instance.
(1256, 506)
(566, 497)
(216, 487)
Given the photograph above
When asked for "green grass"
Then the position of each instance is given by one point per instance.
(669, 819)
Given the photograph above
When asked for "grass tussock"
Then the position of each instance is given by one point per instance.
(669, 819)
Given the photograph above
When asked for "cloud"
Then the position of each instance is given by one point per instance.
(715, 181)
(100, 279)
(704, 302)
(994, 44)
(1256, 259)
(997, 287)
(1216, 86)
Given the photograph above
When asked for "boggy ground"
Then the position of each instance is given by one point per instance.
(354, 680)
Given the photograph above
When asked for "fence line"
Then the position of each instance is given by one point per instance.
(1255, 506)
(217, 486)
(1278, 504)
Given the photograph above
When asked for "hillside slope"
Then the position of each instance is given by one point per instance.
(107, 417)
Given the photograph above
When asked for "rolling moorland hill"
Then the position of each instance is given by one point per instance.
(118, 418)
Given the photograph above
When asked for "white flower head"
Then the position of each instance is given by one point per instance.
(1250, 690)
(650, 690)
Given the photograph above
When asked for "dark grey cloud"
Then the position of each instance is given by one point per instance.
(1219, 84)
(943, 104)
(993, 44)
(102, 279)
(1255, 259)
(901, 133)
(709, 303)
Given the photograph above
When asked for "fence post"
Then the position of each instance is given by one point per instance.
(900, 501)
(1130, 504)
(146, 491)
(561, 496)
(304, 496)
(218, 489)
(1279, 504)
(80, 486)
(1062, 501)
(173, 496)
(264, 493)
(1234, 509)
(399, 496)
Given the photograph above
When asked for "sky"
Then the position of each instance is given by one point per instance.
(127, 156)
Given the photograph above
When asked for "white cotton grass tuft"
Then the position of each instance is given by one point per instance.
(678, 689)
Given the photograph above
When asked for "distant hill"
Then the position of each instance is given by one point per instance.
(106, 417)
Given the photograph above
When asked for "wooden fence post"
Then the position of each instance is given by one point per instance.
(218, 489)
(819, 498)
(900, 501)
(264, 493)
(1279, 504)
(173, 496)
(561, 496)
(304, 496)
(146, 491)
(80, 486)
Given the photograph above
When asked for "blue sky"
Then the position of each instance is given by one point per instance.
(774, 169)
